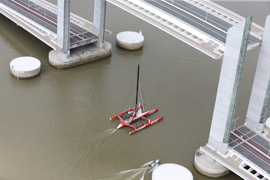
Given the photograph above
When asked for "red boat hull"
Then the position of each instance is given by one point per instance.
(146, 125)
(142, 116)
(125, 123)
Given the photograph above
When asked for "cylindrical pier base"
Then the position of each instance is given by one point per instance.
(208, 166)
(25, 67)
(170, 171)
(80, 55)
(130, 40)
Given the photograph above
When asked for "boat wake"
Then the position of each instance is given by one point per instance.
(80, 158)
(132, 174)
(102, 136)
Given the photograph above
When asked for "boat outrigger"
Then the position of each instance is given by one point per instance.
(136, 117)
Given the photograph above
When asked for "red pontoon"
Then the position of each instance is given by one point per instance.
(136, 117)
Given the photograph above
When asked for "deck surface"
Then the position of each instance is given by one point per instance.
(199, 23)
(252, 146)
(197, 17)
(248, 154)
(48, 19)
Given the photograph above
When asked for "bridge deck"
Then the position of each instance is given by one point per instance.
(40, 19)
(251, 146)
(201, 24)
(250, 153)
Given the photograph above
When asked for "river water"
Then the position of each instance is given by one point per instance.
(57, 127)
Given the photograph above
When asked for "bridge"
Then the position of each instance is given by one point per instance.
(245, 150)
(201, 24)
(63, 31)
(40, 19)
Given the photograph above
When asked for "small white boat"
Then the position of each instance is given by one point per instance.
(152, 164)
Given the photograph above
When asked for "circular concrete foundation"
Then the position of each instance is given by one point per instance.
(208, 166)
(170, 171)
(80, 55)
(130, 40)
(25, 67)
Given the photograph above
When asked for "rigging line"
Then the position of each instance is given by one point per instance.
(142, 94)
(136, 104)
(128, 105)
(133, 96)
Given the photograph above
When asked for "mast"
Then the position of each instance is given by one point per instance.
(138, 77)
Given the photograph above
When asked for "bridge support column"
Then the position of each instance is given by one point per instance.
(226, 99)
(64, 58)
(63, 26)
(257, 109)
(99, 19)
(229, 81)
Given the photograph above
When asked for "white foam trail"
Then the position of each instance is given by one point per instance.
(146, 164)
(102, 136)
(132, 174)
(152, 169)
(79, 156)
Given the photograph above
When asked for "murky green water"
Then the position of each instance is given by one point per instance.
(54, 126)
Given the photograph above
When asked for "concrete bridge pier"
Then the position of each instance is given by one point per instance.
(226, 99)
(99, 19)
(259, 99)
(66, 57)
(63, 27)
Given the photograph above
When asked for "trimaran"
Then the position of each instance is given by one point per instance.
(136, 117)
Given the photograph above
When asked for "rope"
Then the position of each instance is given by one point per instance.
(142, 95)
(128, 105)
